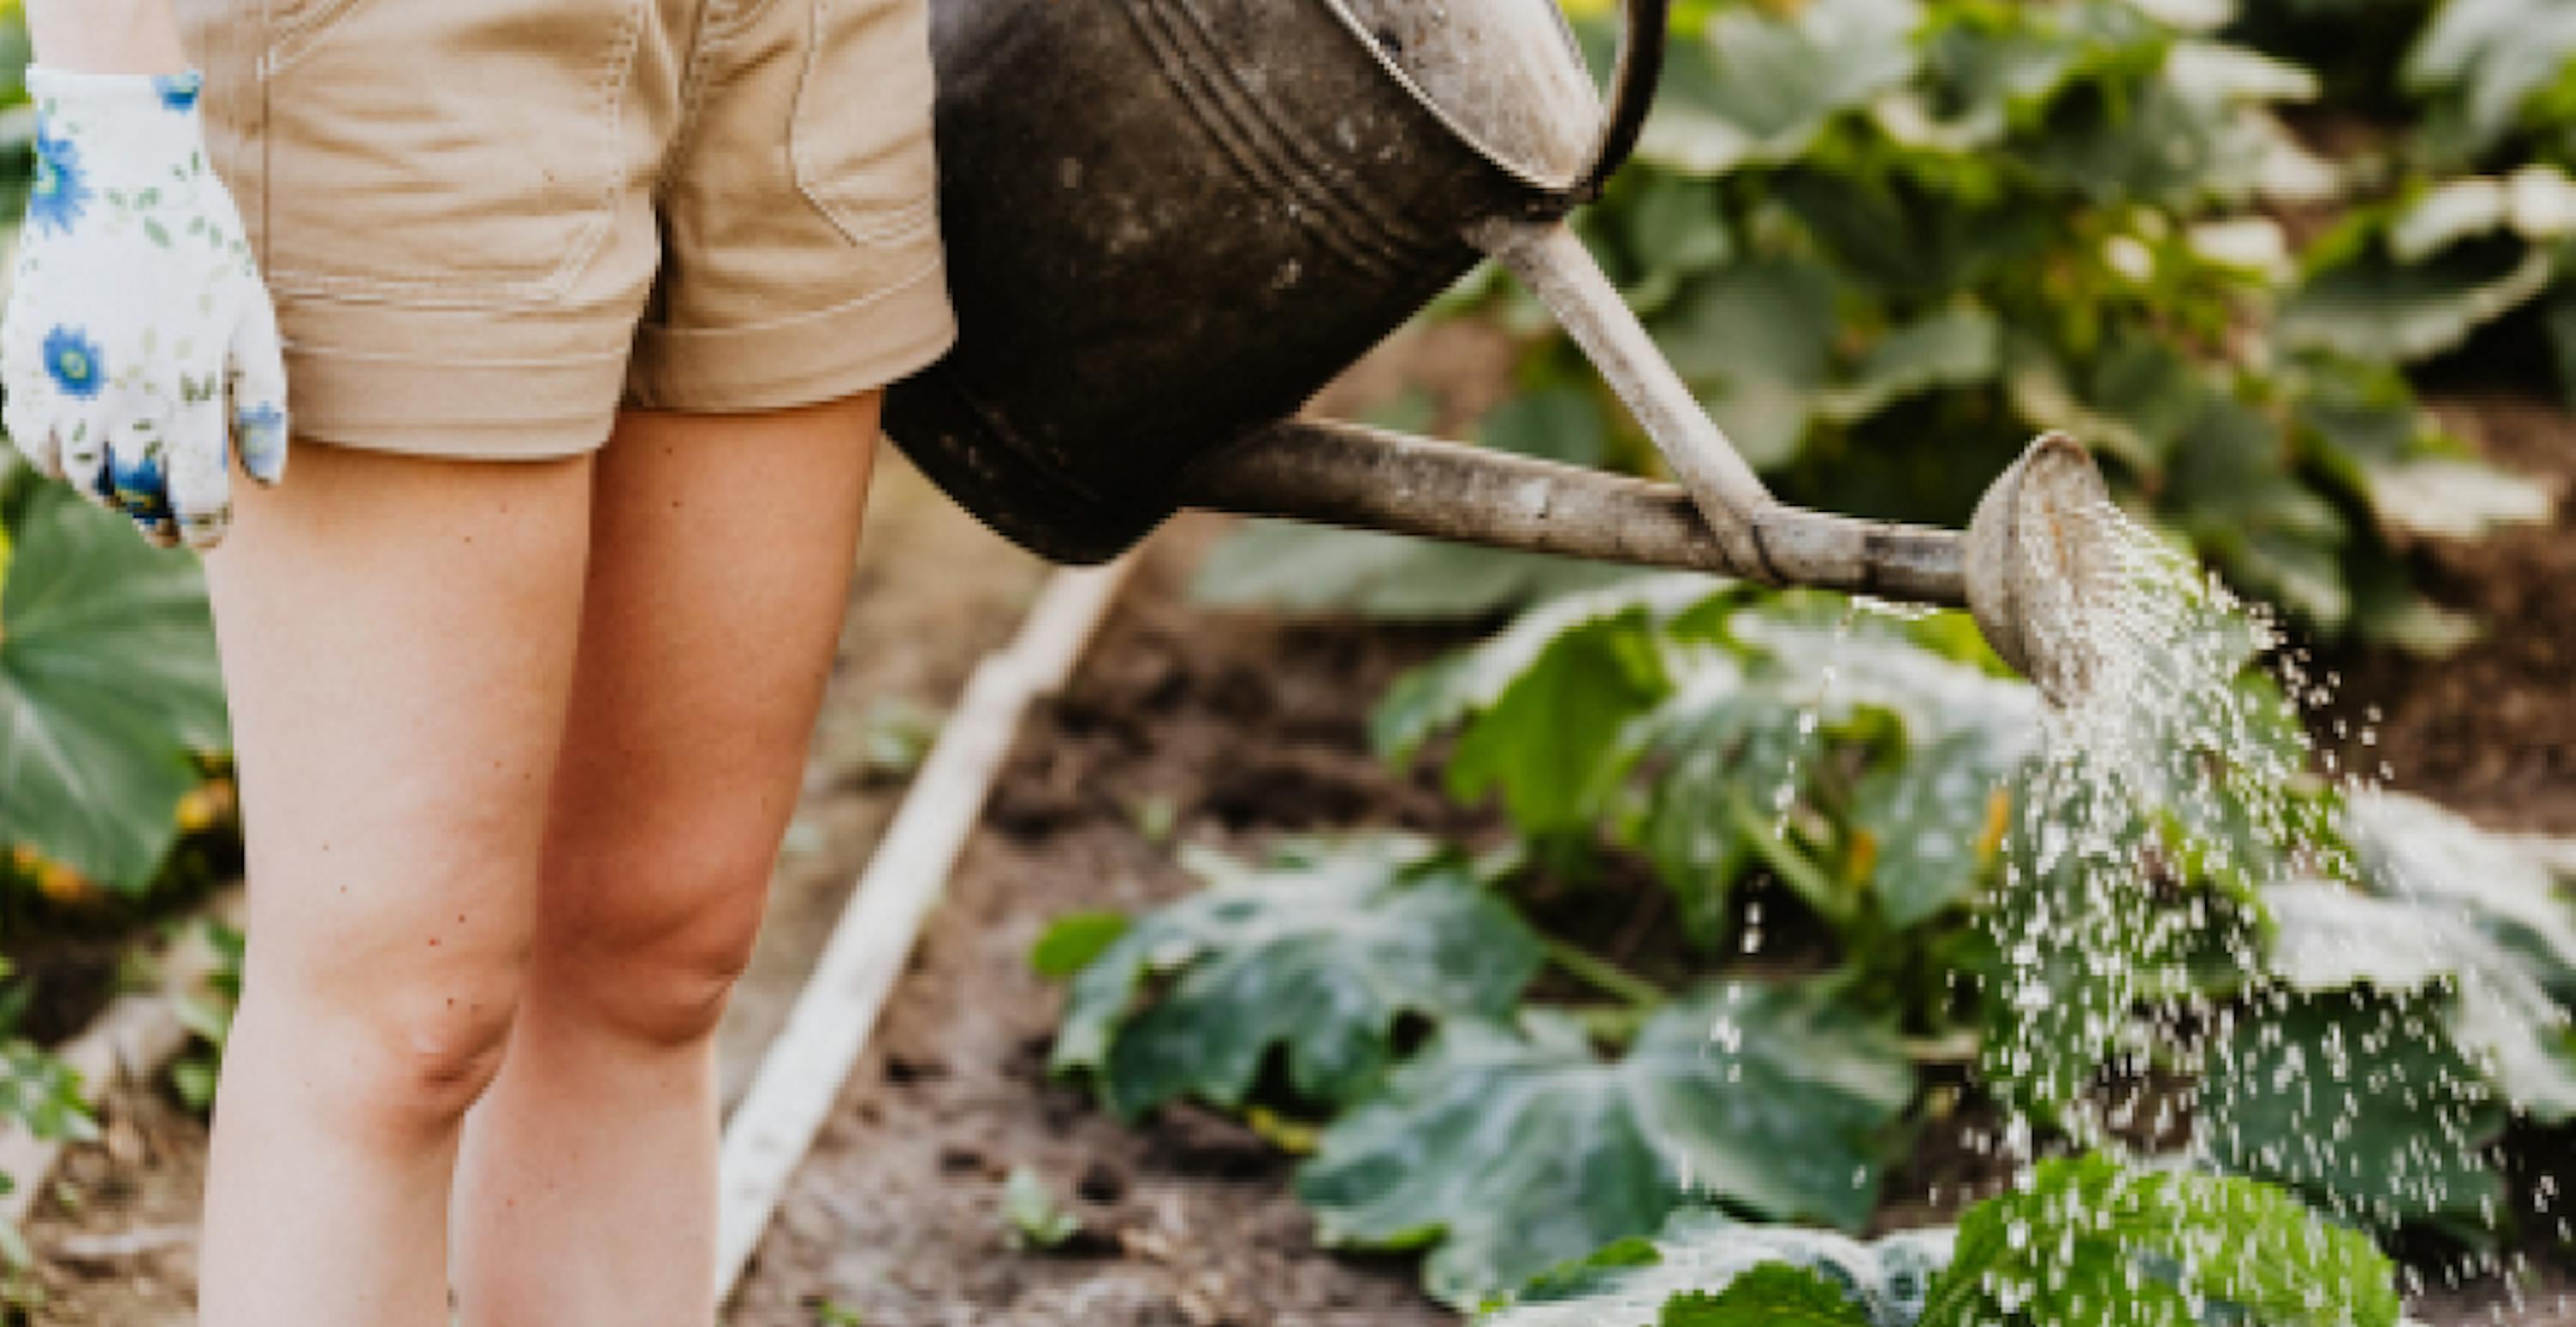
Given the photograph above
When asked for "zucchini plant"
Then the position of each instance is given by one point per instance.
(1493, 1093)
(2079, 1241)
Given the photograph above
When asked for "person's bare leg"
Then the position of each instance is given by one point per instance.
(398, 640)
(721, 560)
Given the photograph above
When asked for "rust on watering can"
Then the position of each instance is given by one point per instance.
(1171, 222)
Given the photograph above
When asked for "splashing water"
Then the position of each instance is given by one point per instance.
(2171, 807)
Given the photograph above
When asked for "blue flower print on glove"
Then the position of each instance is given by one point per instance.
(139, 350)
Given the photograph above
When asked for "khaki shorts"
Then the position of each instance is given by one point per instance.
(488, 224)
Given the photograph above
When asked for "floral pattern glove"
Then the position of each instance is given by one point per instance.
(139, 345)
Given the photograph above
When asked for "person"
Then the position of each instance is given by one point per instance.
(582, 312)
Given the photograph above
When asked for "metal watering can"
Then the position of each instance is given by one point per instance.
(1171, 222)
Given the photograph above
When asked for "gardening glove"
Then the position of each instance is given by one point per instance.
(139, 345)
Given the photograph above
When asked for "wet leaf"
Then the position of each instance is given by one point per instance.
(2085, 1234)
(1315, 954)
(2410, 848)
(1704, 1262)
(1513, 1150)
(2360, 1101)
(2330, 938)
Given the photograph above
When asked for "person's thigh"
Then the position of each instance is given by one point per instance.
(722, 549)
(398, 640)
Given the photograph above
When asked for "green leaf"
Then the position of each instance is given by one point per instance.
(1472, 682)
(108, 684)
(1953, 348)
(2452, 498)
(1927, 822)
(1074, 941)
(2491, 59)
(1560, 422)
(43, 1094)
(1514, 1151)
(1550, 741)
(2330, 938)
(2376, 308)
(1702, 1255)
(1031, 1214)
(1738, 742)
(2409, 848)
(2078, 943)
(2334, 1096)
(1752, 340)
(2085, 1235)
(1316, 954)
(1760, 85)
(1770, 1294)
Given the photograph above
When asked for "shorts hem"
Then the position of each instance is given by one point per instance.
(428, 407)
(841, 351)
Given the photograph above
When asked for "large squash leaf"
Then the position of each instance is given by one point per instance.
(2333, 1096)
(2330, 938)
(108, 683)
(2087, 1241)
(1316, 954)
(1706, 1269)
(1514, 1150)
(2409, 848)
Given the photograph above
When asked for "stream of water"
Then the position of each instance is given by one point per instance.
(2188, 941)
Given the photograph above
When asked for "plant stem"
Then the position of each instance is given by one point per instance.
(1603, 976)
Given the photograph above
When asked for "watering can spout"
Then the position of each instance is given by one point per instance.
(2027, 568)
(1365, 478)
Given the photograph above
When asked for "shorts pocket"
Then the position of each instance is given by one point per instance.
(859, 138)
(458, 153)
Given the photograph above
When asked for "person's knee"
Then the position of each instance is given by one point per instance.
(398, 1056)
(443, 1047)
(660, 940)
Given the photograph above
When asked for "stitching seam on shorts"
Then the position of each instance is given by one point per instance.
(899, 222)
(929, 268)
(282, 46)
(452, 361)
(440, 290)
(718, 21)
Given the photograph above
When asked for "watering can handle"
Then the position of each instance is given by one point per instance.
(1640, 70)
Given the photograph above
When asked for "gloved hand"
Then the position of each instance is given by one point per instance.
(139, 343)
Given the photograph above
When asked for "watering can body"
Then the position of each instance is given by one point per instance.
(1171, 222)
